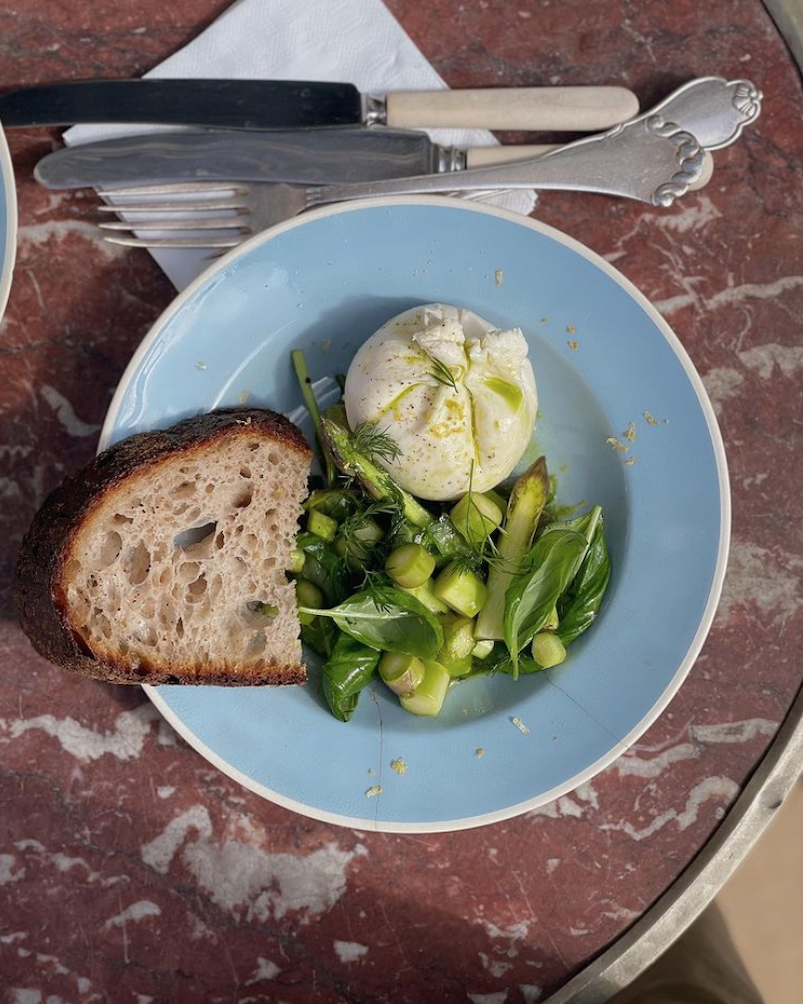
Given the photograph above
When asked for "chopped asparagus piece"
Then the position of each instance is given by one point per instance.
(410, 565)
(322, 526)
(356, 544)
(308, 595)
(482, 649)
(461, 589)
(297, 559)
(523, 509)
(548, 650)
(476, 517)
(458, 640)
(425, 595)
(429, 695)
(402, 673)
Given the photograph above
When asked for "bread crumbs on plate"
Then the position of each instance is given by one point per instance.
(374, 790)
(200, 365)
(613, 442)
(520, 726)
(574, 346)
(399, 766)
(631, 432)
(630, 461)
(243, 396)
(570, 329)
(371, 771)
(479, 751)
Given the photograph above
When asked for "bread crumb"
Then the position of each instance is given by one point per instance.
(543, 320)
(374, 790)
(574, 346)
(614, 442)
(399, 766)
(200, 365)
(479, 751)
(244, 421)
(520, 726)
(630, 461)
(371, 771)
(499, 276)
(243, 396)
(631, 432)
(570, 329)
(651, 419)
(465, 711)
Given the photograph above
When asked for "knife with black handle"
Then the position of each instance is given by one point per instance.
(288, 104)
(304, 156)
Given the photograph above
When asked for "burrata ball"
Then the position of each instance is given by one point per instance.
(456, 395)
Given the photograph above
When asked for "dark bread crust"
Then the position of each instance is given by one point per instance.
(39, 598)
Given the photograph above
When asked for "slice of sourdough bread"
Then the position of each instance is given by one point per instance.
(163, 560)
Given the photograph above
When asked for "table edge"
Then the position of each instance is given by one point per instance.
(687, 897)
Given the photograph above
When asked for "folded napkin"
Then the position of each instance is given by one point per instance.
(357, 41)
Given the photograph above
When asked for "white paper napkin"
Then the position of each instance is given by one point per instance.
(357, 41)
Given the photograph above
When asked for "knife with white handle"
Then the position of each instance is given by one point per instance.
(287, 104)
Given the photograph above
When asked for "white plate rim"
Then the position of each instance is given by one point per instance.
(715, 591)
(10, 256)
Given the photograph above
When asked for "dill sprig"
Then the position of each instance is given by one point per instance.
(376, 442)
(376, 584)
(441, 372)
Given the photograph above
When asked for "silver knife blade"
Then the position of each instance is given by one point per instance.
(307, 156)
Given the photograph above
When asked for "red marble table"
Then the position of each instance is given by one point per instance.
(132, 871)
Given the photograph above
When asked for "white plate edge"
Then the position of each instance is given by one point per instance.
(10, 256)
(468, 822)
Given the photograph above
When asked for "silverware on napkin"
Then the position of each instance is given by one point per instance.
(287, 104)
(711, 108)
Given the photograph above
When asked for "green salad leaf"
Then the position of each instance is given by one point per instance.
(388, 619)
(579, 607)
(550, 567)
(346, 673)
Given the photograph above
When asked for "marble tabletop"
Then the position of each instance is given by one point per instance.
(131, 870)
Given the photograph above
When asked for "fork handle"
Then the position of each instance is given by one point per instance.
(645, 159)
(483, 156)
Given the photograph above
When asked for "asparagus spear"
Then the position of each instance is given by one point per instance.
(305, 382)
(353, 462)
(523, 509)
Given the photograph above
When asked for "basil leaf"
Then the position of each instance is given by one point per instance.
(388, 619)
(587, 524)
(319, 635)
(551, 565)
(579, 607)
(346, 672)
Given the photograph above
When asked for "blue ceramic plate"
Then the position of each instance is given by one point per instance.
(8, 222)
(324, 283)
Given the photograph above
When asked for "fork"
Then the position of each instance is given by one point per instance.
(648, 159)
